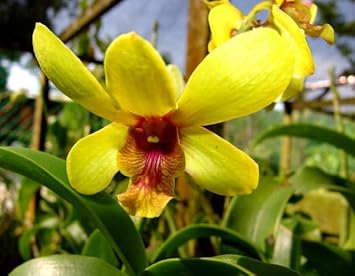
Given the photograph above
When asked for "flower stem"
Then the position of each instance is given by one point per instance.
(344, 170)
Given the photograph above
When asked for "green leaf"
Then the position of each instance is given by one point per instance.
(24, 243)
(283, 249)
(26, 192)
(350, 243)
(307, 181)
(257, 216)
(329, 259)
(202, 231)
(313, 132)
(98, 246)
(68, 265)
(192, 267)
(257, 267)
(101, 208)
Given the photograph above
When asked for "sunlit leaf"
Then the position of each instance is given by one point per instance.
(68, 265)
(283, 249)
(313, 132)
(192, 267)
(101, 209)
(308, 179)
(257, 216)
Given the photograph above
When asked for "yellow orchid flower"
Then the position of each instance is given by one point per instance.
(290, 18)
(157, 134)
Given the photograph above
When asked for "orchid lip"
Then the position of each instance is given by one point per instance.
(152, 157)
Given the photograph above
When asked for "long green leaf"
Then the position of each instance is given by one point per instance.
(257, 267)
(193, 267)
(307, 179)
(68, 265)
(201, 231)
(329, 259)
(98, 246)
(313, 132)
(257, 216)
(101, 208)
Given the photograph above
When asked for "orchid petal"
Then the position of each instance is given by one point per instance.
(144, 202)
(295, 86)
(213, 3)
(314, 11)
(69, 75)
(224, 21)
(137, 78)
(325, 31)
(177, 77)
(240, 77)
(217, 165)
(296, 39)
(92, 162)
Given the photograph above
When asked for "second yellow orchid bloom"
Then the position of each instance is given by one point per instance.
(157, 134)
(290, 18)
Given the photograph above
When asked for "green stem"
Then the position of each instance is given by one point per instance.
(344, 170)
(168, 215)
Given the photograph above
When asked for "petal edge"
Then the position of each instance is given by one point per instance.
(217, 165)
(92, 161)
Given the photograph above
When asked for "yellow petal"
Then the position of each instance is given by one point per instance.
(152, 175)
(324, 31)
(295, 87)
(92, 162)
(69, 75)
(213, 3)
(240, 77)
(177, 77)
(143, 201)
(279, 2)
(224, 21)
(296, 39)
(137, 78)
(216, 165)
(314, 11)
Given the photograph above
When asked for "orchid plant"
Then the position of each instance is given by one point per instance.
(157, 132)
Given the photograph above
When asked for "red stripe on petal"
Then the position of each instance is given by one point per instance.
(152, 169)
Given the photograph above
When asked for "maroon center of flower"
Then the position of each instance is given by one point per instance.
(155, 134)
(152, 157)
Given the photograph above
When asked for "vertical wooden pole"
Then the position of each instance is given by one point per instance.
(39, 117)
(38, 142)
(197, 35)
(197, 40)
(286, 147)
